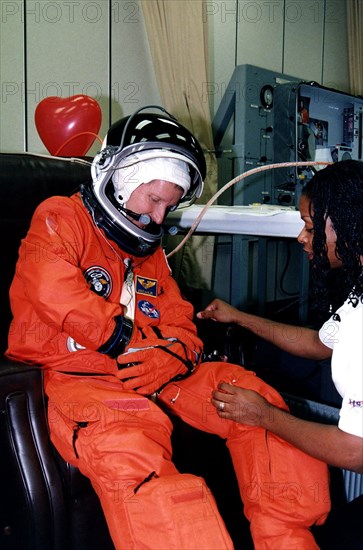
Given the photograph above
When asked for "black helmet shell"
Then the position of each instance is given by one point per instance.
(152, 131)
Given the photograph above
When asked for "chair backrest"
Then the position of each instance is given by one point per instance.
(25, 181)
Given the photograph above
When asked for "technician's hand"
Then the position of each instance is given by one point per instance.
(242, 406)
(220, 311)
(145, 371)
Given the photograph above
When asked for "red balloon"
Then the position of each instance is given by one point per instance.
(68, 126)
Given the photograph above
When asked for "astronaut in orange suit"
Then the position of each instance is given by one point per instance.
(95, 305)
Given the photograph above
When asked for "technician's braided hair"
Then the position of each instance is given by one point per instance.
(337, 192)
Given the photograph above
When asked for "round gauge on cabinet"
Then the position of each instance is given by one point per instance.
(267, 96)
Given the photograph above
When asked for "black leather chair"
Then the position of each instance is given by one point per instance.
(45, 503)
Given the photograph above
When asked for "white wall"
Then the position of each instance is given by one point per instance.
(99, 48)
(302, 38)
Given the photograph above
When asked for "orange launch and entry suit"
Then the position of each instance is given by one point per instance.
(71, 283)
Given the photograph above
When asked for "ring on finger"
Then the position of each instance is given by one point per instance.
(221, 406)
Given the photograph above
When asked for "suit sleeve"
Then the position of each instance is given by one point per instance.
(52, 279)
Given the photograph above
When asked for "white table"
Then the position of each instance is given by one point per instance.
(243, 222)
(256, 220)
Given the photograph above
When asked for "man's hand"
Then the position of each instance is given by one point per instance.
(147, 370)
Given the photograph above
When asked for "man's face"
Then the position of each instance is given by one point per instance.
(307, 233)
(155, 199)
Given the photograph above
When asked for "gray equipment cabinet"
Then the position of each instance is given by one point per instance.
(313, 123)
(243, 130)
(265, 118)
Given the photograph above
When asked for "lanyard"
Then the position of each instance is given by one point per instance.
(128, 291)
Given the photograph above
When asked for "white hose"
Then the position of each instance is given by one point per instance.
(230, 184)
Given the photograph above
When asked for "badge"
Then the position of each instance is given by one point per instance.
(146, 286)
(72, 345)
(99, 281)
(148, 309)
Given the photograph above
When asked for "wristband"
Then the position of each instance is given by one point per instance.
(119, 339)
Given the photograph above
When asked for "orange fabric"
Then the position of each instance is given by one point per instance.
(284, 490)
(124, 448)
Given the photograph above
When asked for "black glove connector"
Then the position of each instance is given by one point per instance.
(119, 339)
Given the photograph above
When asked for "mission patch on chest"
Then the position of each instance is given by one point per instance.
(146, 286)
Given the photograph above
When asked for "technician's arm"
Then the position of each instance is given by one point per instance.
(300, 341)
(327, 443)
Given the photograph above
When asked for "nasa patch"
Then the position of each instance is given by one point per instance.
(146, 286)
(99, 280)
(148, 309)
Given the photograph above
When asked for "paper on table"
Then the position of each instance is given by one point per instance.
(259, 210)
